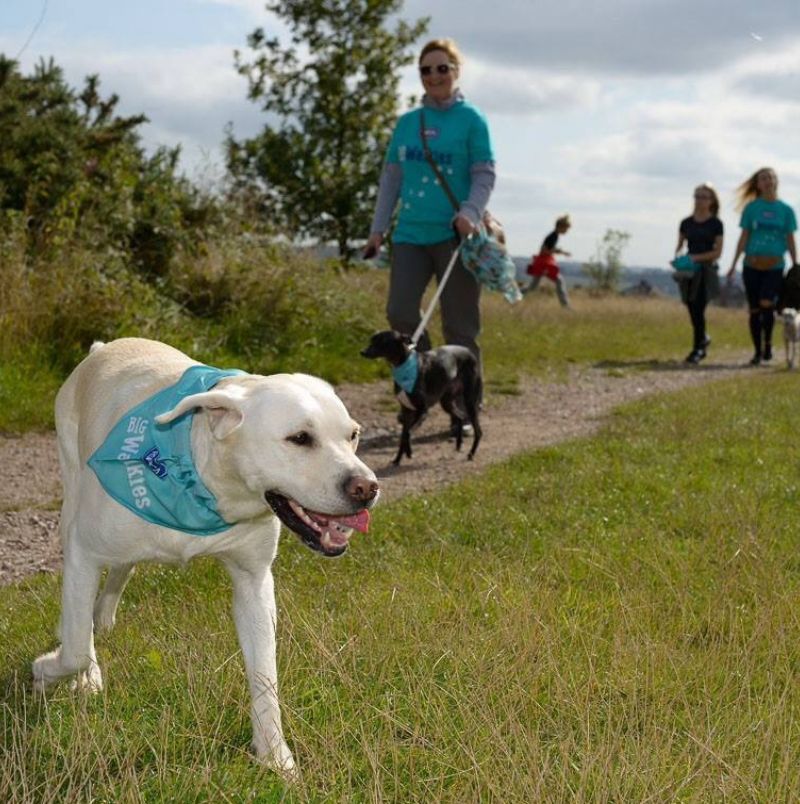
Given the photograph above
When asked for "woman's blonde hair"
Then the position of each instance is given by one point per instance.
(711, 190)
(446, 45)
(748, 190)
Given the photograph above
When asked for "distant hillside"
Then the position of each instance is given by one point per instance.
(660, 279)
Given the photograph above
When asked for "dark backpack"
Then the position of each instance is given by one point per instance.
(789, 295)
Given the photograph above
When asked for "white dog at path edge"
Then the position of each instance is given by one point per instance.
(165, 459)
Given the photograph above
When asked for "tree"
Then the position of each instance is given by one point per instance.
(605, 269)
(52, 138)
(331, 97)
(72, 168)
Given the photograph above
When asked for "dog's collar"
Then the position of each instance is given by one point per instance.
(407, 373)
(149, 468)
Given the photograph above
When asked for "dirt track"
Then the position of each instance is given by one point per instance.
(545, 412)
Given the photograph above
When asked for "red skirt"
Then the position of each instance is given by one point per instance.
(544, 265)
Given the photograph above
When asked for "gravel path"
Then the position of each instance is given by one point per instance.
(546, 411)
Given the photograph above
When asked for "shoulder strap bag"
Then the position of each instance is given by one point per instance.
(436, 169)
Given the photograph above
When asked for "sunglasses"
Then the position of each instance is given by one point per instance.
(442, 69)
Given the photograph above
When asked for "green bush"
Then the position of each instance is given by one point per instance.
(272, 302)
(234, 300)
(61, 305)
(77, 173)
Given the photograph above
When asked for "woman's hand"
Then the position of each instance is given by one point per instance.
(373, 246)
(464, 226)
(730, 274)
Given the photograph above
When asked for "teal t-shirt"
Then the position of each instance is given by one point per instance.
(149, 468)
(768, 223)
(458, 137)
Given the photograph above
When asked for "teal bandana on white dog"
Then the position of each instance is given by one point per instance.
(148, 467)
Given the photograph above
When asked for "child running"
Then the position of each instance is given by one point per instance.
(545, 264)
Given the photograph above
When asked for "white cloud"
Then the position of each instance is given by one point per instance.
(521, 92)
(254, 8)
(186, 76)
(188, 94)
(774, 76)
(657, 37)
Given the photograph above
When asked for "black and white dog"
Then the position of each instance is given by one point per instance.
(449, 375)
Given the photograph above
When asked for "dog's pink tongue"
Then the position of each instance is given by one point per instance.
(358, 521)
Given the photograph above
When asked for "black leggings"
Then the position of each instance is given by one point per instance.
(697, 313)
(762, 288)
(761, 322)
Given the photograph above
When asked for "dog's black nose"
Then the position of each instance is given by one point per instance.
(362, 489)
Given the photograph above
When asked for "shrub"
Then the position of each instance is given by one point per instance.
(605, 269)
(76, 172)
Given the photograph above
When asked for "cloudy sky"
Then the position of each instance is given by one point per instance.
(611, 110)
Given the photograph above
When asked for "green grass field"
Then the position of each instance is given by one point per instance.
(613, 619)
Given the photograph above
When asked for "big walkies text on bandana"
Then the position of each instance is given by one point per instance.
(148, 467)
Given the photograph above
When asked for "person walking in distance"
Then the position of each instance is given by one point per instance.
(768, 225)
(701, 233)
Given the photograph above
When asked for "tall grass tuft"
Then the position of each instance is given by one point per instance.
(242, 302)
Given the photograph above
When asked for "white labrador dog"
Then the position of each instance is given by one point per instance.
(272, 448)
(791, 334)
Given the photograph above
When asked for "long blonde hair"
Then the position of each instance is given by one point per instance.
(747, 191)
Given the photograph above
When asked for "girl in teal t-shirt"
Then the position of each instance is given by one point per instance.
(768, 225)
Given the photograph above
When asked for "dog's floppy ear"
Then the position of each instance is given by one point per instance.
(223, 407)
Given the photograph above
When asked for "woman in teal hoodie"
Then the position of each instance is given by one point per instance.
(428, 226)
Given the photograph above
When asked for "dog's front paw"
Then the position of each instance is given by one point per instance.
(279, 758)
(89, 680)
(50, 667)
(46, 670)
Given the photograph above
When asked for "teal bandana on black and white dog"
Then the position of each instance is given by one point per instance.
(406, 376)
(407, 373)
(149, 468)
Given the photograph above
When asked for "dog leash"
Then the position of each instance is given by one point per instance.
(429, 312)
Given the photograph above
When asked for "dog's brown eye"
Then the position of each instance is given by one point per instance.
(302, 439)
(354, 437)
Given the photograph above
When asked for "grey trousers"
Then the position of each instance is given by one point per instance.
(561, 288)
(411, 272)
